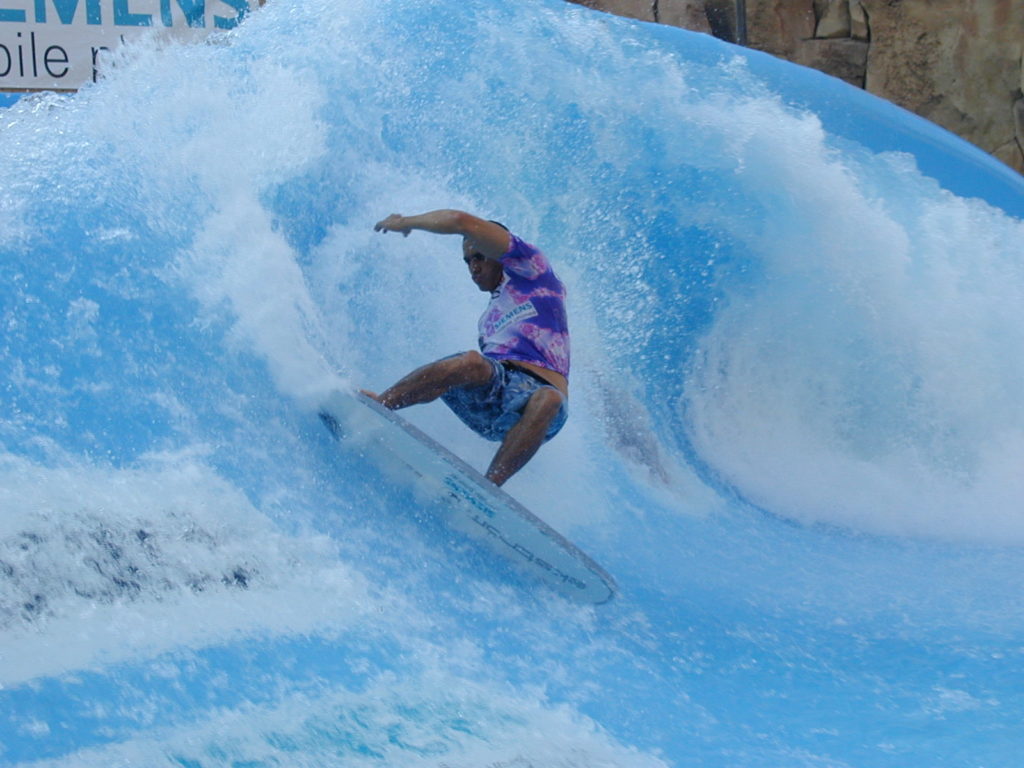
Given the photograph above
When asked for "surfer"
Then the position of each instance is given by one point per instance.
(515, 389)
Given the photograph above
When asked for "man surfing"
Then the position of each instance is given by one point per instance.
(515, 389)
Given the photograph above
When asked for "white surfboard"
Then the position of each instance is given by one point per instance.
(478, 507)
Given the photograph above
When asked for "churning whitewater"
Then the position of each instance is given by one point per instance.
(796, 432)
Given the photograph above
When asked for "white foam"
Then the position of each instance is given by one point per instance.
(133, 562)
(871, 377)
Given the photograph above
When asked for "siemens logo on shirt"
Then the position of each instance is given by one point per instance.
(522, 312)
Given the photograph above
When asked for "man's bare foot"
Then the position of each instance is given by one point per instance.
(379, 398)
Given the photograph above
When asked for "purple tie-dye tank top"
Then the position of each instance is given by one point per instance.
(526, 318)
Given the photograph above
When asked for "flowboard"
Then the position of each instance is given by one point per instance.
(478, 507)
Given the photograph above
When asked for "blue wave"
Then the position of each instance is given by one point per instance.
(795, 442)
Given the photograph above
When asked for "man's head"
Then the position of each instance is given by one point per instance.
(486, 273)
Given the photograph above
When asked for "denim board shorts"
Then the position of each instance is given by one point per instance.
(492, 409)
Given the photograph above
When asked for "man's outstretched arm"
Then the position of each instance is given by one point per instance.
(488, 238)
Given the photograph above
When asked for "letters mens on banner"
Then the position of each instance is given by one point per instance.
(58, 44)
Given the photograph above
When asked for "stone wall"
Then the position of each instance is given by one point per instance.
(958, 63)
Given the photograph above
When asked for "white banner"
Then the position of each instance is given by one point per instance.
(58, 44)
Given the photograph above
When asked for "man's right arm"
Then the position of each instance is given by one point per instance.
(489, 238)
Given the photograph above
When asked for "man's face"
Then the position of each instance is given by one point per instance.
(485, 272)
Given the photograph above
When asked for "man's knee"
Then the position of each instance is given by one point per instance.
(544, 404)
(473, 367)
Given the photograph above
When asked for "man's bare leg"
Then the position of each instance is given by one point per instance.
(522, 441)
(432, 380)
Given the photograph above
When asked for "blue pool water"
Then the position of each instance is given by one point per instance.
(796, 436)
